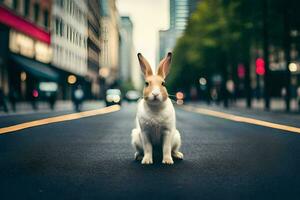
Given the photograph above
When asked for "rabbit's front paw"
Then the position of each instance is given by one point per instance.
(168, 161)
(177, 155)
(147, 160)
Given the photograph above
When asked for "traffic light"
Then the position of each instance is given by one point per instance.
(260, 66)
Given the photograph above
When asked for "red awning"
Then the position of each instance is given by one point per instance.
(16, 22)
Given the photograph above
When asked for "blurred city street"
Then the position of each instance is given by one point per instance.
(92, 158)
(73, 71)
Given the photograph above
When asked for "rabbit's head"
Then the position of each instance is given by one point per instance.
(155, 91)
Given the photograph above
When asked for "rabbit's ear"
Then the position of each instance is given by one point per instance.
(164, 66)
(145, 66)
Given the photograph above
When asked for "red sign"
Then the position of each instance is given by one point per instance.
(16, 22)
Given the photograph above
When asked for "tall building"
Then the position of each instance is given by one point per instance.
(110, 39)
(126, 47)
(136, 75)
(129, 69)
(180, 10)
(94, 30)
(179, 13)
(167, 41)
(69, 42)
(25, 52)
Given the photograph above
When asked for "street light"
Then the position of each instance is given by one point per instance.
(293, 67)
(202, 81)
(179, 97)
(72, 79)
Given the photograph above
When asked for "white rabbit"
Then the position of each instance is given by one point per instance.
(155, 119)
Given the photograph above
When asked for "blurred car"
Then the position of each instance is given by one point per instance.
(132, 95)
(113, 96)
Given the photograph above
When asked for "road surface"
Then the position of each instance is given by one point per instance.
(91, 158)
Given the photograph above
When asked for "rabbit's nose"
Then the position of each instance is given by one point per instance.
(156, 92)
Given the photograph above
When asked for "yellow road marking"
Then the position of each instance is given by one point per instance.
(237, 118)
(61, 118)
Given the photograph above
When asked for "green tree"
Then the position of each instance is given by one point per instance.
(207, 44)
(221, 33)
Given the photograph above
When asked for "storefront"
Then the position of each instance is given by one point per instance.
(25, 56)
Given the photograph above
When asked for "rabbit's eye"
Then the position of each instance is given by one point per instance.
(146, 84)
(163, 83)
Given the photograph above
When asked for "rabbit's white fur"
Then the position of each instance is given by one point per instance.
(156, 126)
(155, 119)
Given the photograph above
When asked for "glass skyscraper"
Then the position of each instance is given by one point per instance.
(180, 10)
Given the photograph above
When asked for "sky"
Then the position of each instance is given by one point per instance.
(148, 17)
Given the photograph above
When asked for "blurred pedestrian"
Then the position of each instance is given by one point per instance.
(214, 94)
(77, 97)
(52, 100)
(230, 87)
(13, 96)
(298, 98)
(193, 93)
(33, 98)
(3, 101)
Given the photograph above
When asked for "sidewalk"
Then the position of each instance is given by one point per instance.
(43, 107)
(276, 114)
(276, 104)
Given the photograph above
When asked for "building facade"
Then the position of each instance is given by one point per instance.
(180, 10)
(69, 42)
(167, 41)
(136, 75)
(94, 30)
(126, 46)
(179, 13)
(110, 39)
(25, 52)
(129, 67)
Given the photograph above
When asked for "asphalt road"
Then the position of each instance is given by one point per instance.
(91, 158)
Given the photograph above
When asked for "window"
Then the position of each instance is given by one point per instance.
(67, 32)
(46, 20)
(71, 7)
(36, 11)
(79, 41)
(71, 34)
(61, 28)
(76, 38)
(57, 26)
(26, 7)
(66, 4)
